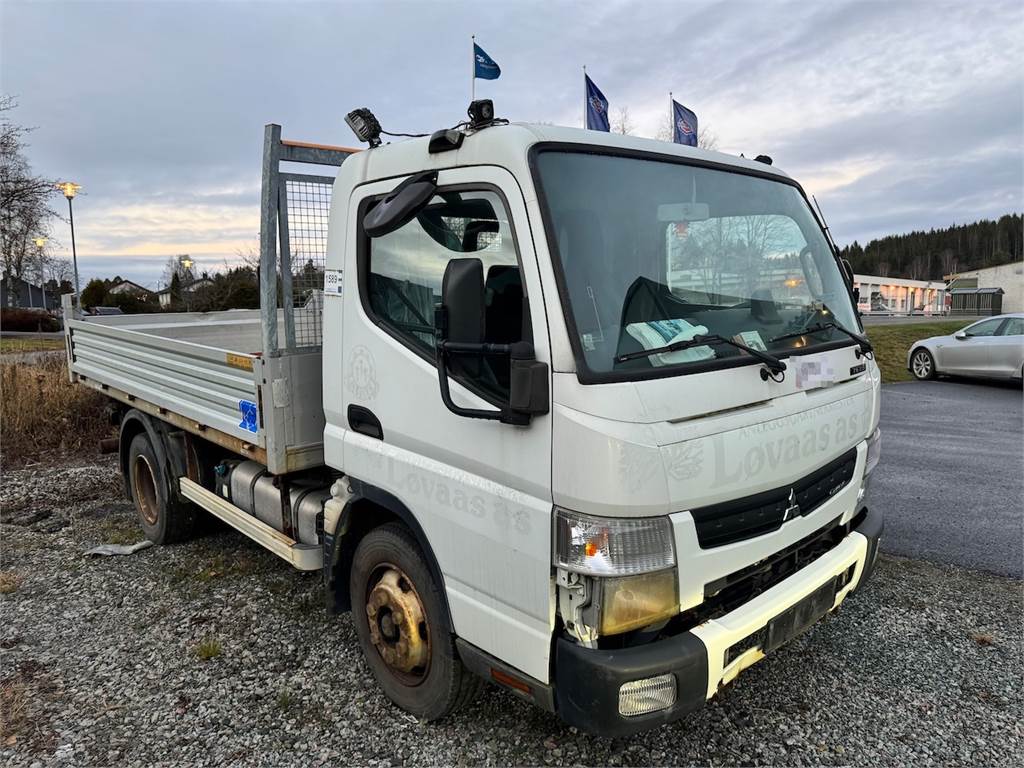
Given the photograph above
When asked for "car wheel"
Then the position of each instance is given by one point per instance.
(402, 627)
(164, 520)
(922, 365)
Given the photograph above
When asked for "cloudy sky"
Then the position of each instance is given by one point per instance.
(897, 115)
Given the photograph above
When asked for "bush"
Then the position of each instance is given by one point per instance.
(30, 320)
(43, 415)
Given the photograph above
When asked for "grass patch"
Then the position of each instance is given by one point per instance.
(983, 638)
(44, 415)
(19, 344)
(120, 532)
(208, 648)
(9, 582)
(892, 342)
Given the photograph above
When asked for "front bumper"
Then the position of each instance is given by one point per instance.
(587, 681)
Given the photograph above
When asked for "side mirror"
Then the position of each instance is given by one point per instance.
(400, 205)
(462, 296)
(961, 335)
(460, 335)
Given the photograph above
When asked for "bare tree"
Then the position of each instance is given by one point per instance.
(622, 122)
(24, 198)
(179, 266)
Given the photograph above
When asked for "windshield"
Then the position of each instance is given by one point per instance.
(655, 252)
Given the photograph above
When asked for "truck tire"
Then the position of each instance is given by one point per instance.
(163, 517)
(402, 626)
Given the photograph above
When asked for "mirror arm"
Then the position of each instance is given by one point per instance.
(446, 396)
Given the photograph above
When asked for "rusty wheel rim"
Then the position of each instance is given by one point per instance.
(145, 489)
(398, 624)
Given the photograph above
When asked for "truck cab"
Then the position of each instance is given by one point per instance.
(650, 521)
(587, 416)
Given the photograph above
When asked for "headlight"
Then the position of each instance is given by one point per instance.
(632, 602)
(605, 546)
(874, 451)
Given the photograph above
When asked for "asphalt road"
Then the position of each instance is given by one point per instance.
(950, 479)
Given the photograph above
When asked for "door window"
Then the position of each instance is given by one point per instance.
(405, 268)
(1014, 327)
(984, 328)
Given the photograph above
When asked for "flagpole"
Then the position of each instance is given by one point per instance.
(584, 96)
(472, 68)
(671, 120)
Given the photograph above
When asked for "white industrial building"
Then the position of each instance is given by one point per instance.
(900, 296)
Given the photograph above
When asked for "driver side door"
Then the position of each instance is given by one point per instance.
(480, 489)
(971, 355)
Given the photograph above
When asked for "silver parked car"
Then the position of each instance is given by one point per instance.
(992, 348)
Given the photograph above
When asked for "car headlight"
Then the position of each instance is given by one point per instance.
(605, 546)
(874, 451)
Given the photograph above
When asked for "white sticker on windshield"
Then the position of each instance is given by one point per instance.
(813, 371)
(333, 282)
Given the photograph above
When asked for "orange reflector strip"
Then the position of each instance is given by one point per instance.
(506, 679)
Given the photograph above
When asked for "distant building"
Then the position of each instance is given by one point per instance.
(1008, 277)
(900, 296)
(15, 292)
(127, 286)
(164, 296)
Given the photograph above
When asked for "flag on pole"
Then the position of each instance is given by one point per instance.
(597, 107)
(684, 125)
(485, 68)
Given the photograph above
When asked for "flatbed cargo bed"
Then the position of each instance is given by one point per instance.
(206, 373)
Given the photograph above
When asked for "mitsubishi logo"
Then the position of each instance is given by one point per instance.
(793, 510)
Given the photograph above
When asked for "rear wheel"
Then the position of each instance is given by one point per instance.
(399, 617)
(164, 518)
(922, 365)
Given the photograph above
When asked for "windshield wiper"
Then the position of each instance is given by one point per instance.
(862, 341)
(773, 363)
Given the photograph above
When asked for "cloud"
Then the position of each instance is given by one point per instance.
(898, 115)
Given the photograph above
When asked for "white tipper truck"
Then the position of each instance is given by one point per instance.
(589, 416)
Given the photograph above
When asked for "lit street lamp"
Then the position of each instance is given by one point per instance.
(40, 242)
(70, 189)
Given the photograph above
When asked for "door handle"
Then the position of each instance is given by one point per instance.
(365, 422)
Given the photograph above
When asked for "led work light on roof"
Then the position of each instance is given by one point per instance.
(364, 125)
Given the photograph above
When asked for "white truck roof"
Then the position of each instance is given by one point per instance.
(508, 145)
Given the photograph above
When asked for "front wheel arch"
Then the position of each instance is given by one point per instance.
(369, 508)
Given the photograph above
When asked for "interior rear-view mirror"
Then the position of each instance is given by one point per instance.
(400, 205)
(672, 212)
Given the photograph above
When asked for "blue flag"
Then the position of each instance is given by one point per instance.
(684, 125)
(486, 68)
(597, 107)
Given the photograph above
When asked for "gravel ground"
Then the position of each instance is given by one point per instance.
(216, 652)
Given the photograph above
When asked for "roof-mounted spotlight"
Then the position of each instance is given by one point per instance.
(481, 113)
(364, 125)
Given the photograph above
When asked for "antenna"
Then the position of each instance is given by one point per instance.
(824, 225)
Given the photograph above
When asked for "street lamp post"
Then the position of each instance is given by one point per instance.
(40, 242)
(70, 189)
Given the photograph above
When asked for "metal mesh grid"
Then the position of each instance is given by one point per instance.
(304, 230)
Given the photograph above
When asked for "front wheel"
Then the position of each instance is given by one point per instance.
(402, 627)
(922, 365)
